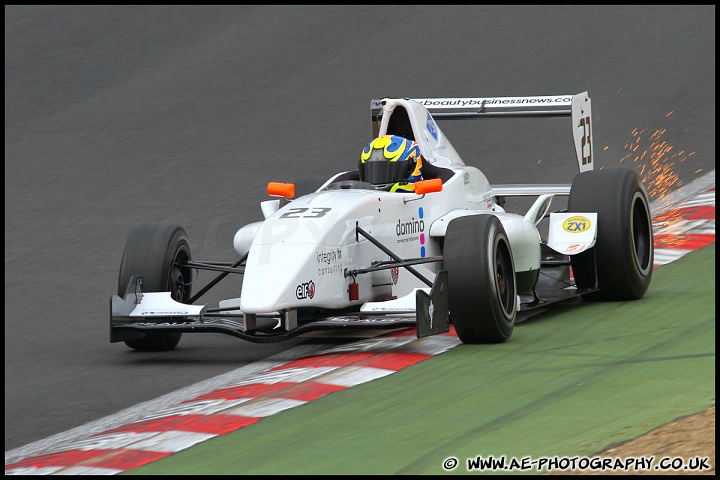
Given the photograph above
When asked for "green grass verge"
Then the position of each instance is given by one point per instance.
(568, 383)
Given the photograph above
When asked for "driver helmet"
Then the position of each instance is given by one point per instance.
(390, 159)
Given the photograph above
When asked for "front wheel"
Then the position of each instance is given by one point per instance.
(159, 252)
(482, 287)
(622, 259)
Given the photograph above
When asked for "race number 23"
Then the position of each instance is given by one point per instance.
(305, 213)
(585, 124)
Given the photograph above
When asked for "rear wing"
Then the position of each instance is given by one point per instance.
(578, 107)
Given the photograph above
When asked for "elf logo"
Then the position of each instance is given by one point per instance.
(576, 224)
(305, 290)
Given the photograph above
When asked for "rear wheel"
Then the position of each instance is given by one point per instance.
(482, 288)
(158, 252)
(623, 255)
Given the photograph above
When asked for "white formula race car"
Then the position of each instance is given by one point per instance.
(353, 255)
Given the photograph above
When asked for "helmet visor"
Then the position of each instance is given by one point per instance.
(380, 172)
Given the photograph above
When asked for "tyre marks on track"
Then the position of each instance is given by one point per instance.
(681, 224)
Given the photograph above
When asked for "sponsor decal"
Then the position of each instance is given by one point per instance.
(574, 247)
(330, 269)
(329, 261)
(305, 290)
(329, 256)
(156, 324)
(412, 231)
(421, 214)
(391, 309)
(432, 127)
(394, 272)
(576, 224)
(407, 228)
(481, 102)
(165, 313)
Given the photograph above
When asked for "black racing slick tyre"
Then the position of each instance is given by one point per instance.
(623, 256)
(482, 287)
(157, 251)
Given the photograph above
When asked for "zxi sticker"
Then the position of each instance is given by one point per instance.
(576, 224)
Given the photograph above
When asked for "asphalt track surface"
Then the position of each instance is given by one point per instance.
(115, 115)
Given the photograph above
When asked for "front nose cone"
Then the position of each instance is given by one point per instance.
(278, 277)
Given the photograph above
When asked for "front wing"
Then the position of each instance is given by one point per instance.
(139, 313)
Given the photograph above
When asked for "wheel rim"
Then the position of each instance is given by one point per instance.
(641, 234)
(179, 278)
(504, 280)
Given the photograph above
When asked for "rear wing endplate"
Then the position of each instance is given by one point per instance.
(578, 107)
